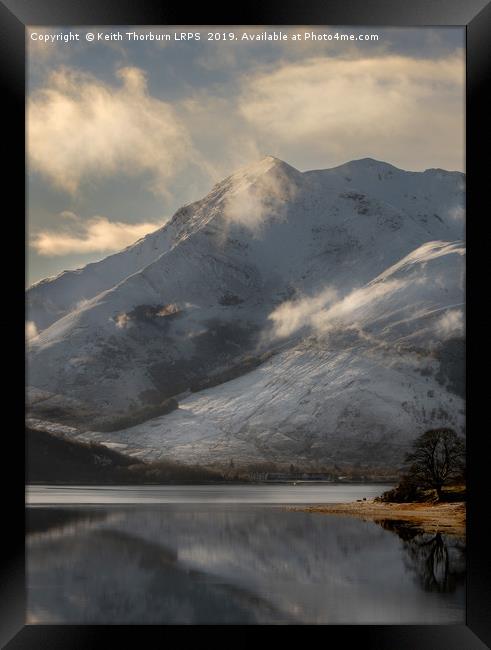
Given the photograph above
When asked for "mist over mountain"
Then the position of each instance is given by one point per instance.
(305, 317)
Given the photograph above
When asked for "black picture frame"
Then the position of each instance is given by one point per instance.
(475, 15)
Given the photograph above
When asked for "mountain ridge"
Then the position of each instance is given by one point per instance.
(105, 276)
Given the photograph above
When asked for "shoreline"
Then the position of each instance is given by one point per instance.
(447, 518)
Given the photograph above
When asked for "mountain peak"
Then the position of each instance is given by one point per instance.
(369, 163)
(264, 166)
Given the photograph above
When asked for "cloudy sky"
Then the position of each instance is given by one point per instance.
(120, 134)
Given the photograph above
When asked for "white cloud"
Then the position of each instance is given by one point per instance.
(325, 311)
(122, 321)
(260, 191)
(451, 324)
(457, 213)
(292, 316)
(97, 234)
(80, 128)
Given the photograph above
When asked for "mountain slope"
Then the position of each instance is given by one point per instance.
(269, 256)
(373, 372)
(52, 298)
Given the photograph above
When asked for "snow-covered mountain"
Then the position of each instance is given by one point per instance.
(313, 315)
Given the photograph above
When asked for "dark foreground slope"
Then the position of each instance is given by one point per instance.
(53, 458)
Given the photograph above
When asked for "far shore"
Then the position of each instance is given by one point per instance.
(448, 518)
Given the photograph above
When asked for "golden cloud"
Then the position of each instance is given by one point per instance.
(395, 108)
(94, 235)
(80, 128)
(31, 330)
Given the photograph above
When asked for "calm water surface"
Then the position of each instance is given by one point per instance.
(285, 494)
(231, 554)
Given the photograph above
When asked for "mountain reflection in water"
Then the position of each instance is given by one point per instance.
(249, 564)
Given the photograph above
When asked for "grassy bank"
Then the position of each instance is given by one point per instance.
(448, 518)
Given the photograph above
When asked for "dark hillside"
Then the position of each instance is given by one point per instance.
(52, 458)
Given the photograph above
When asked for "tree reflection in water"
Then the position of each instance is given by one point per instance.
(438, 560)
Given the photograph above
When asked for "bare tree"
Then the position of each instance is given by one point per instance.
(438, 457)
